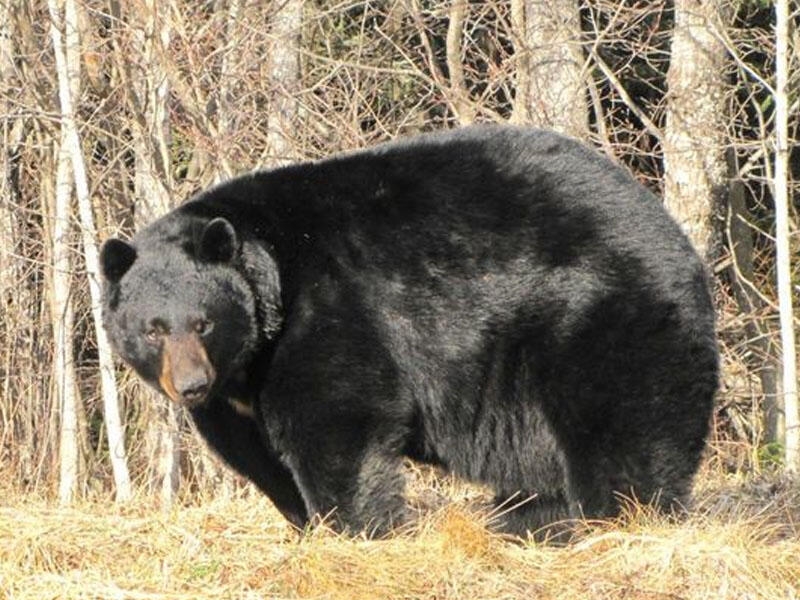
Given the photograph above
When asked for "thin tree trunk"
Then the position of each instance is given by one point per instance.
(751, 306)
(695, 168)
(522, 91)
(783, 259)
(41, 416)
(284, 75)
(68, 65)
(62, 309)
(151, 127)
(10, 132)
(550, 87)
(63, 342)
(463, 108)
(227, 99)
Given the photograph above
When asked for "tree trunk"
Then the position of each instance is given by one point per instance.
(550, 86)
(151, 124)
(62, 309)
(783, 251)
(460, 101)
(63, 341)
(751, 305)
(284, 76)
(10, 131)
(227, 99)
(108, 387)
(695, 169)
(68, 66)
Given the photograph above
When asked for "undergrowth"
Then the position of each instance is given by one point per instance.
(739, 541)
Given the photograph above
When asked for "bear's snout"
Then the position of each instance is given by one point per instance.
(195, 389)
(186, 373)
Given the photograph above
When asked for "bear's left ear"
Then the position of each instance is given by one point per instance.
(218, 241)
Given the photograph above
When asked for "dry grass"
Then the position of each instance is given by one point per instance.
(741, 542)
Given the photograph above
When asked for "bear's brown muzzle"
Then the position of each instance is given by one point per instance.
(186, 373)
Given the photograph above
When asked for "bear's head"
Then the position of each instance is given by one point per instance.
(178, 308)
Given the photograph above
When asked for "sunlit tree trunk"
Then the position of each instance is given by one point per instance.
(115, 434)
(783, 258)
(68, 67)
(550, 83)
(284, 76)
(227, 99)
(8, 199)
(62, 307)
(460, 101)
(695, 168)
(63, 321)
(151, 122)
(8, 148)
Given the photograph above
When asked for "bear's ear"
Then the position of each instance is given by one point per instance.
(116, 257)
(218, 241)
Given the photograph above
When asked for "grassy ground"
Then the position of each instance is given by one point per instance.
(741, 542)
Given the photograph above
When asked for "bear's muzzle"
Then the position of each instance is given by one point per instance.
(186, 373)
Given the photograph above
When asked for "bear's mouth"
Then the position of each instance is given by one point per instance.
(186, 375)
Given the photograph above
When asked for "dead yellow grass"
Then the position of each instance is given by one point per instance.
(736, 545)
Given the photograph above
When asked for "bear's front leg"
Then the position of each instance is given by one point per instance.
(333, 410)
(240, 443)
(350, 476)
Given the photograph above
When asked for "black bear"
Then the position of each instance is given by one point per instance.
(502, 302)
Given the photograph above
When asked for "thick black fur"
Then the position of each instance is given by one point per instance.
(502, 302)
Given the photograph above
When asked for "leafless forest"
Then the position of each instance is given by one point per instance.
(112, 112)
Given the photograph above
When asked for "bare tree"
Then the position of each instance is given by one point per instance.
(68, 68)
(760, 353)
(8, 148)
(783, 259)
(284, 78)
(754, 185)
(10, 133)
(695, 167)
(227, 96)
(463, 107)
(550, 80)
(63, 313)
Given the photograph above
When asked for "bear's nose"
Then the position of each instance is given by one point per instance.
(194, 391)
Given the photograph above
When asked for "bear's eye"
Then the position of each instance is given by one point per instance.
(154, 335)
(203, 326)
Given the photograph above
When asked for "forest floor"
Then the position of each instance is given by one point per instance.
(741, 541)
